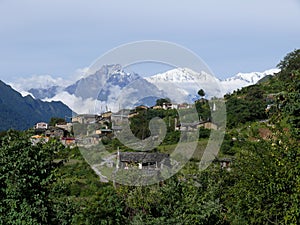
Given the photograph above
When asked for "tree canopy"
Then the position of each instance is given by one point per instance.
(201, 93)
(161, 101)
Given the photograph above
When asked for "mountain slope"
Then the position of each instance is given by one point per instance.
(21, 113)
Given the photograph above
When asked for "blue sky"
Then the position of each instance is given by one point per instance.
(58, 37)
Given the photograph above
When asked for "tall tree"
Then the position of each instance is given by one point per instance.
(161, 101)
(26, 173)
(201, 93)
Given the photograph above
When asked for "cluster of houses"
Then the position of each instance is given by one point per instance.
(62, 132)
(90, 129)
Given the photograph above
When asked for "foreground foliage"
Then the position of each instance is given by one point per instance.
(26, 174)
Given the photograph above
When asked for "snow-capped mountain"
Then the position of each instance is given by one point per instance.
(111, 81)
(244, 79)
(111, 87)
(182, 84)
(108, 88)
(90, 86)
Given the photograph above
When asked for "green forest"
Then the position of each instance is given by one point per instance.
(48, 183)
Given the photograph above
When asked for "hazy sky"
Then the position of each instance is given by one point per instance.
(58, 37)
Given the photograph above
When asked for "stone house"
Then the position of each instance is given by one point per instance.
(142, 160)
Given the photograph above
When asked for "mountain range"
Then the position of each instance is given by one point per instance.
(245, 79)
(111, 87)
(20, 113)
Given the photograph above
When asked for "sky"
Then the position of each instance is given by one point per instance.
(59, 38)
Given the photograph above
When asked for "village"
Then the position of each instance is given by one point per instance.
(88, 130)
(85, 129)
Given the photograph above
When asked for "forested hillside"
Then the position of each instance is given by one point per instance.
(264, 185)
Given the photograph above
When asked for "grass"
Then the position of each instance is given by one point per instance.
(196, 155)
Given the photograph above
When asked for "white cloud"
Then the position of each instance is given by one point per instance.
(77, 104)
(38, 81)
(23, 84)
(93, 106)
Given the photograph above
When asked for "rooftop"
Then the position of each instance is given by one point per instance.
(142, 157)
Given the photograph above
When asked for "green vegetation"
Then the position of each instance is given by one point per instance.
(139, 124)
(49, 184)
(201, 93)
(56, 120)
(246, 105)
(26, 174)
(264, 186)
(161, 101)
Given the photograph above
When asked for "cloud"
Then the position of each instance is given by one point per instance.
(77, 104)
(38, 81)
(23, 84)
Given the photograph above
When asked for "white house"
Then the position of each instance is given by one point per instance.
(41, 125)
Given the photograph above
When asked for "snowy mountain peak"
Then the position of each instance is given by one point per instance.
(245, 79)
(120, 77)
(112, 73)
(253, 77)
(109, 69)
(183, 84)
(178, 75)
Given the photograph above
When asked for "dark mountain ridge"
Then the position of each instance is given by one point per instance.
(20, 113)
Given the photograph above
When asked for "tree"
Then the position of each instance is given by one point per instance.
(105, 207)
(265, 183)
(289, 103)
(182, 199)
(241, 110)
(290, 62)
(161, 101)
(56, 120)
(26, 174)
(289, 65)
(201, 93)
